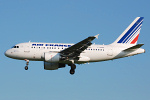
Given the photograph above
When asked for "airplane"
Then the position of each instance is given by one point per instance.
(58, 55)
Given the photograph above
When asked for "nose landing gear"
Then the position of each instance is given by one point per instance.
(27, 63)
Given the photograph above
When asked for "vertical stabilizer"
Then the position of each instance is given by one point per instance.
(131, 34)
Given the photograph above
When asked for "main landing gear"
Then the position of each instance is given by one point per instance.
(27, 63)
(73, 67)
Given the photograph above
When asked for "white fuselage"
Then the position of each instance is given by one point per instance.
(94, 53)
(58, 55)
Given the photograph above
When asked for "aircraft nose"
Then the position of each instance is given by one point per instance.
(7, 53)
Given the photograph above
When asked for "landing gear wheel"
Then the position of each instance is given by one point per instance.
(26, 67)
(72, 71)
(27, 63)
(73, 67)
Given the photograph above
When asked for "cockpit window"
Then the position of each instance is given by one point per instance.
(15, 47)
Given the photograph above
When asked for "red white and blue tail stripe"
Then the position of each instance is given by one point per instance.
(131, 34)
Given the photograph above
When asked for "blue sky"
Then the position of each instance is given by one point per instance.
(70, 21)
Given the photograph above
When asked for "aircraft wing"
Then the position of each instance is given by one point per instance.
(74, 51)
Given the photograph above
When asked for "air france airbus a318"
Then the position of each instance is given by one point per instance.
(58, 55)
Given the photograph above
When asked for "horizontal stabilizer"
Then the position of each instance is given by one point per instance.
(134, 47)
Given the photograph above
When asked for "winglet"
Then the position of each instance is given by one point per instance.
(96, 36)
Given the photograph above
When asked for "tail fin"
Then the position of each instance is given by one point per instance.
(131, 34)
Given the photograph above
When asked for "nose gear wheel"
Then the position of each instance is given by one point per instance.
(27, 63)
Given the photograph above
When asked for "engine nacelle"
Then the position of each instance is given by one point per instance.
(53, 66)
(51, 57)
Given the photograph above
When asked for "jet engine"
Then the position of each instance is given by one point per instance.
(53, 66)
(52, 57)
